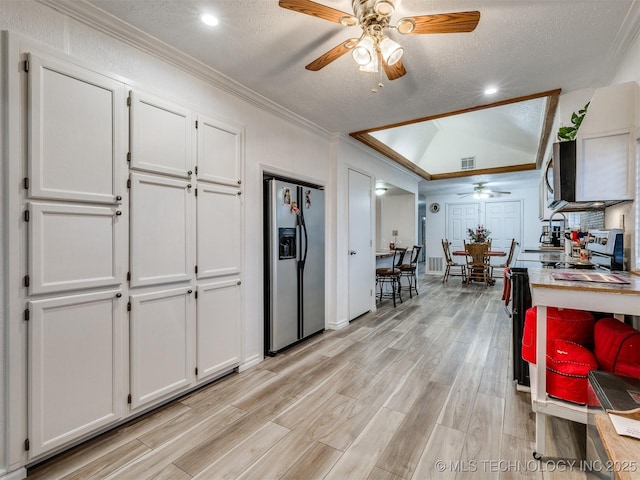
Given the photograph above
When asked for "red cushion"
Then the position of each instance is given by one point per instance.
(617, 347)
(565, 323)
(568, 365)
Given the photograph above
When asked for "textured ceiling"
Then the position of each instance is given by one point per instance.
(520, 46)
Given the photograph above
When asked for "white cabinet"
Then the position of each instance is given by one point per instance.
(161, 135)
(161, 230)
(161, 343)
(218, 327)
(76, 121)
(75, 366)
(219, 232)
(220, 151)
(606, 144)
(73, 247)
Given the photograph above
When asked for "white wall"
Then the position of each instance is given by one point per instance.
(396, 212)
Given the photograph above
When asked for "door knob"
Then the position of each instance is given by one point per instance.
(352, 252)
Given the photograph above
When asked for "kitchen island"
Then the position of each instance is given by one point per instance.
(618, 299)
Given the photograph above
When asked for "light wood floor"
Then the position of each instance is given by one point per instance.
(415, 392)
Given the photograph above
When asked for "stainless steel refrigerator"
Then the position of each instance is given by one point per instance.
(294, 263)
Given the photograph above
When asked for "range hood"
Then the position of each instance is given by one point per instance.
(595, 170)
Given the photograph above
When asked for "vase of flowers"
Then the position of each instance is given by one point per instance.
(479, 235)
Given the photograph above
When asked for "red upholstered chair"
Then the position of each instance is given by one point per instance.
(617, 347)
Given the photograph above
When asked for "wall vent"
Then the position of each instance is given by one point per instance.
(467, 163)
(435, 264)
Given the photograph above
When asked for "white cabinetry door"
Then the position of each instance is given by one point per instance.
(161, 230)
(76, 132)
(161, 338)
(162, 135)
(220, 152)
(75, 367)
(218, 327)
(604, 167)
(219, 236)
(73, 246)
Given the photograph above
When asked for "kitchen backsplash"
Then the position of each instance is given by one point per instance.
(586, 220)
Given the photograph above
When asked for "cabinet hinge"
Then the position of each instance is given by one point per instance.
(128, 276)
(196, 371)
(196, 269)
(196, 294)
(26, 183)
(27, 445)
(128, 306)
(129, 98)
(196, 123)
(196, 169)
(129, 398)
(196, 192)
(26, 215)
(27, 315)
(128, 183)
(26, 69)
(128, 156)
(27, 281)
(371, 293)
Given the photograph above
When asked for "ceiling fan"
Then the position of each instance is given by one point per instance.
(373, 47)
(481, 191)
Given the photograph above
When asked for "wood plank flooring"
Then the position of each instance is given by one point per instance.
(415, 392)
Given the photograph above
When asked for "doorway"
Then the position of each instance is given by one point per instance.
(361, 272)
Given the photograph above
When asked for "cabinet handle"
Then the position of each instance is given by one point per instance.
(119, 198)
(189, 173)
(188, 185)
(239, 182)
(239, 193)
(239, 282)
(118, 295)
(189, 291)
(118, 212)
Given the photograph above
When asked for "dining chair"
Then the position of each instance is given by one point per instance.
(508, 260)
(478, 267)
(449, 263)
(408, 271)
(390, 276)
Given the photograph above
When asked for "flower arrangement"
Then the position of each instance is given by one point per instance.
(479, 235)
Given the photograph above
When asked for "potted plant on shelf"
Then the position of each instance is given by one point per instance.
(479, 235)
(569, 133)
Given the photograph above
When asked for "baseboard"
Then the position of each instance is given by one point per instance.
(250, 362)
(15, 475)
(338, 325)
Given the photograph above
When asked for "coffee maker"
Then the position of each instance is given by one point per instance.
(550, 237)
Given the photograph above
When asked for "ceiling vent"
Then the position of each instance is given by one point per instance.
(467, 163)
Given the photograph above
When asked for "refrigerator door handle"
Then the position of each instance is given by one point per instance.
(306, 242)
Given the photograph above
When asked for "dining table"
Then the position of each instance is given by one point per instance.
(490, 253)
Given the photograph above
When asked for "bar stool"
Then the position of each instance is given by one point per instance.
(408, 271)
(391, 276)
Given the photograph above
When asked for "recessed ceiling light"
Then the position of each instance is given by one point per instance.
(210, 20)
(490, 91)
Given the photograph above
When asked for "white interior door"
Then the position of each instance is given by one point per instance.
(219, 151)
(75, 367)
(504, 221)
(161, 339)
(161, 230)
(76, 132)
(361, 264)
(219, 230)
(73, 247)
(460, 217)
(218, 327)
(162, 134)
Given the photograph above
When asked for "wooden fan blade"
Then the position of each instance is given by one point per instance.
(314, 9)
(394, 71)
(459, 22)
(333, 54)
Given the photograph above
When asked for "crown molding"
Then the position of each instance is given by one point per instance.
(104, 22)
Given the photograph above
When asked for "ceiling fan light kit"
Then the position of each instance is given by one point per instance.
(374, 48)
